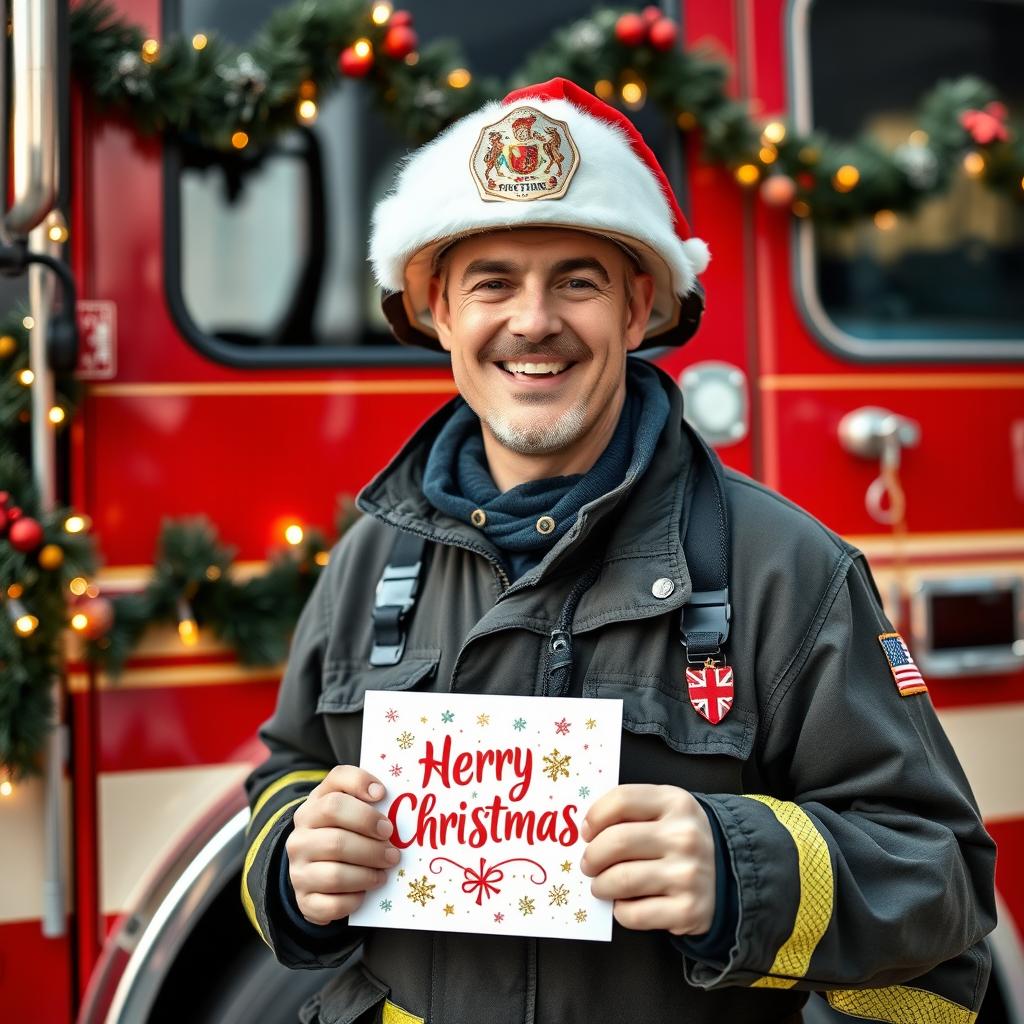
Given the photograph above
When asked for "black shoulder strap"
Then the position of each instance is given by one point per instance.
(705, 620)
(395, 598)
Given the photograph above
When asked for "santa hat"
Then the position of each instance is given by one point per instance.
(582, 165)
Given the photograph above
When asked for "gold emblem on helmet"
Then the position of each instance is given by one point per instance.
(524, 156)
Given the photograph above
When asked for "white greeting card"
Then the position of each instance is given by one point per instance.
(488, 795)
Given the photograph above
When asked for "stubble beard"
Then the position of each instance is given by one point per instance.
(540, 439)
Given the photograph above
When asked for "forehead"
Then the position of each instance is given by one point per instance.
(535, 248)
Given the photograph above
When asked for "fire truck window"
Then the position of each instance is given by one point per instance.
(951, 270)
(271, 251)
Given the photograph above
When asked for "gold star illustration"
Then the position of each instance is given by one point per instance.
(566, 866)
(591, 723)
(401, 872)
(483, 719)
(423, 719)
(448, 910)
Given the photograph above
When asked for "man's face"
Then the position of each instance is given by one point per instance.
(538, 323)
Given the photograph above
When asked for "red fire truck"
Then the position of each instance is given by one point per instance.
(235, 365)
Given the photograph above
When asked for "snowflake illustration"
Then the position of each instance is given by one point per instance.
(591, 723)
(385, 905)
(562, 727)
(556, 765)
(421, 891)
(558, 896)
(396, 770)
(566, 865)
(483, 719)
(584, 792)
(448, 716)
(499, 917)
(526, 906)
(391, 715)
(581, 916)
(405, 740)
(519, 724)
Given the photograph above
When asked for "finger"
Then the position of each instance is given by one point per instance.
(318, 908)
(332, 879)
(676, 914)
(348, 778)
(625, 841)
(342, 847)
(624, 803)
(342, 810)
(631, 879)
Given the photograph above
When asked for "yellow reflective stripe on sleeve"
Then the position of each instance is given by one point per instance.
(394, 1014)
(814, 910)
(900, 1004)
(250, 858)
(308, 775)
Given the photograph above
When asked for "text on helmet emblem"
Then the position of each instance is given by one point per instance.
(526, 155)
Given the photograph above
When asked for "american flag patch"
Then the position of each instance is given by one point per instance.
(904, 671)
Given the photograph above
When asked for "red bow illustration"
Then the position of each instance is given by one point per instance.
(484, 882)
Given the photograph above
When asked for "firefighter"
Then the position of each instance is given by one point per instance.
(790, 816)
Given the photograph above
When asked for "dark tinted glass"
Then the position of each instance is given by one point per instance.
(953, 269)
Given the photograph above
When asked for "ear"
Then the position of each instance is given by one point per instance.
(638, 311)
(440, 312)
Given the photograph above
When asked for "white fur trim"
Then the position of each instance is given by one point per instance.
(435, 199)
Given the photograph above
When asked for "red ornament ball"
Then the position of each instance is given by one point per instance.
(652, 13)
(400, 18)
(25, 534)
(14, 513)
(663, 34)
(400, 41)
(5, 496)
(352, 65)
(806, 180)
(100, 613)
(778, 190)
(631, 30)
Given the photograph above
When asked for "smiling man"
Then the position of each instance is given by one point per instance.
(790, 817)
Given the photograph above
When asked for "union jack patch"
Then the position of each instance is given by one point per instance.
(901, 664)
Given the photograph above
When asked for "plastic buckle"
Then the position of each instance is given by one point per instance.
(395, 597)
(708, 611)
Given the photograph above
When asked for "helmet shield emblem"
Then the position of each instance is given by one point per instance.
(524, 156)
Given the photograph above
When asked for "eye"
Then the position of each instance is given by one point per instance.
(491, 285)
(580, 283)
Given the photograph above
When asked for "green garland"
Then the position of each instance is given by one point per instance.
(225, 98)
(33, 585)
(193, 586)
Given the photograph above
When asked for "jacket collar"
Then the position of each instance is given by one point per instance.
(643, 519)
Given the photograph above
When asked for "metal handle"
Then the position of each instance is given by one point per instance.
(869, 430)
(34, 89)
(875, 433)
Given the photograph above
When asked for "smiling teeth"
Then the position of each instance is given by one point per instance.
(535, 367)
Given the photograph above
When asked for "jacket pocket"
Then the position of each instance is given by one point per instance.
(345, 683)
(651, 706)
(346, 998)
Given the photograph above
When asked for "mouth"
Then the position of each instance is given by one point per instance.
(526, 371)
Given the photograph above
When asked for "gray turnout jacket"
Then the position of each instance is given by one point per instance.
(862, 868)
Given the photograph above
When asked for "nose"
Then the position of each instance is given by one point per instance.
(534, 314)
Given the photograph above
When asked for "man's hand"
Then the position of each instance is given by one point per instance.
(652, 851)
(339, 847)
